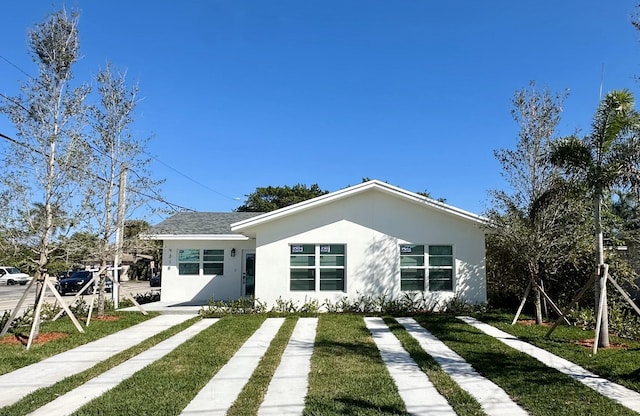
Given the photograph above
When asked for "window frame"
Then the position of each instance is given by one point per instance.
(318, 263)
(426, 268)
(219, 259)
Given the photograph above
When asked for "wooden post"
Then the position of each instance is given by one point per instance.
(81, 291)
(578, 296)
(93, 298)
(36, 313)
(544, 299)
(624, 294)
(65, 307)
(130, 296)
(553, 305)
(524, 300)
(15, 310)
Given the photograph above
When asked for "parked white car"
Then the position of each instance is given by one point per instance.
(13, 276)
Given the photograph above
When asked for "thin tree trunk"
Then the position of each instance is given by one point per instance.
(537, 301)
(600, 284)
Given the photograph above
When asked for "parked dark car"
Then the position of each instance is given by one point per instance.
(156, 280)
(77, 280)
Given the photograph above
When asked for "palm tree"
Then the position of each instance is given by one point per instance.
(608, 157)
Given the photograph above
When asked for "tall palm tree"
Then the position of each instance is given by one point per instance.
(609, 156)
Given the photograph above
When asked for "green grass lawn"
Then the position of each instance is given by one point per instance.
(14, 356)
(620, 364)
(347, 375)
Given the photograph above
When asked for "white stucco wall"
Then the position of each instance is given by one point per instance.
(201, 289)
(372, 225)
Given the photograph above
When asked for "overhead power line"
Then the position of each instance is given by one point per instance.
(16, 102)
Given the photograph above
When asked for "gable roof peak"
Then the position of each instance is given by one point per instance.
(373, 184)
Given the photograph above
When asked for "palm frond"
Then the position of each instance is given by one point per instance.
(613, 118)
(571, 154)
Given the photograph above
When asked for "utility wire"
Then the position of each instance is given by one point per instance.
(104, 154)
(156, 198)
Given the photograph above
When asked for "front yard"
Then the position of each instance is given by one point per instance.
(347, 373)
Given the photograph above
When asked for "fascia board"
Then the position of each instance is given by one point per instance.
(191, 237)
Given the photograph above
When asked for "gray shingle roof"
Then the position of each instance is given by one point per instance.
(201, 223)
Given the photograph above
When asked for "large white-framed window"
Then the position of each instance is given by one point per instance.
(196, 262)
(317, 267)
(426, 267)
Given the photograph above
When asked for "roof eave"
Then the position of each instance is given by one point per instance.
(191, 237)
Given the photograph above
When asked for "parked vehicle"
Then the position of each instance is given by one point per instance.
(156, 280)
(13, 276)
(77, 280)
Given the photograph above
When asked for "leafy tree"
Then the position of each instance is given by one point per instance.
(78, 249)
(535, 222)
(271, 198)
(606, 158)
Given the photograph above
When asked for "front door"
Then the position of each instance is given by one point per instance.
(249, 273)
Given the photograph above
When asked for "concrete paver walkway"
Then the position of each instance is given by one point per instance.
(19, 383)
(419, 394)
(219, 394)
(620, 394)
(73, 400)
(288, 387)
(493, 400)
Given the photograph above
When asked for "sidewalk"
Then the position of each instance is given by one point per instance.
(167, 308)
(493, 399)
(621, 394)
(19, 383)
(419, 395)
(78, 397)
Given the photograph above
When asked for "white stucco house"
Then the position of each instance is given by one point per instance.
(369, 239)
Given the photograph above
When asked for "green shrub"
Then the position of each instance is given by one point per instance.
(623, 321)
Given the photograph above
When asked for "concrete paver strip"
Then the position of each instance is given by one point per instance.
(222, 390)
(73, 400)
(614, 391)
(23, 381)
(419, 394)
(288, 387)
(493, 400)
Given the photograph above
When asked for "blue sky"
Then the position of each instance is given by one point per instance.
(241, 94)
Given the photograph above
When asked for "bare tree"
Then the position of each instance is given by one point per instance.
(115, 152)
(48, 115)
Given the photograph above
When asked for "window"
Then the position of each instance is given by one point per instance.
(440, 268)
(416, 264)
(412, 269)
(191, 261)
(315, 266)
(213, 262)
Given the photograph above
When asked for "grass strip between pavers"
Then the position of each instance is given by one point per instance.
(462, 402)
(620, 364)
(14, 356)
(347, 373)
(252, 395)
(45, 395)
(540, 390)
(168, 385)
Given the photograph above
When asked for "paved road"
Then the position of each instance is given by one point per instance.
(10, 295)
